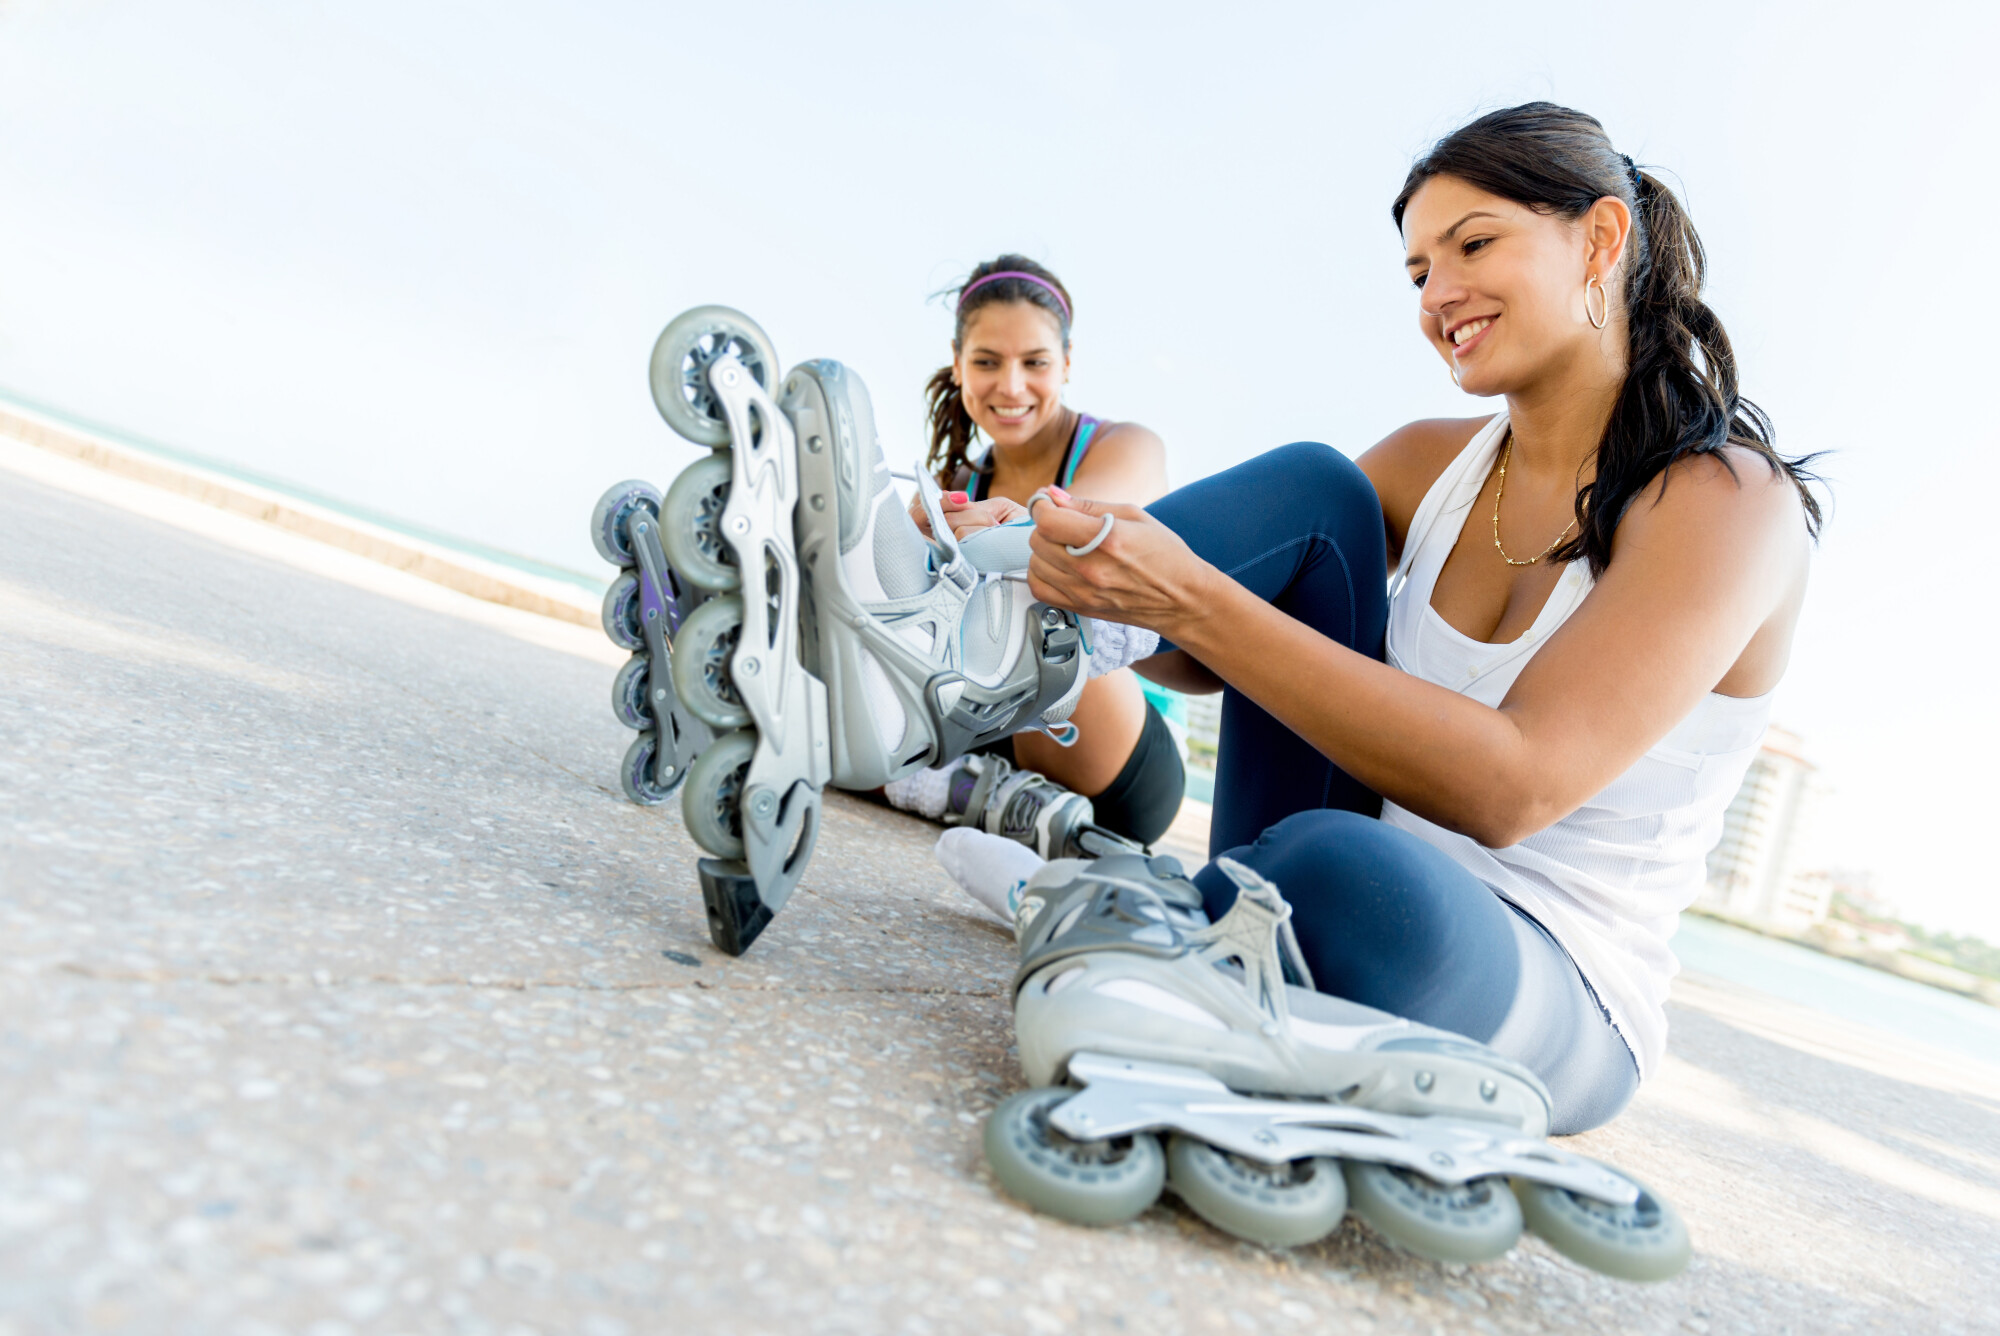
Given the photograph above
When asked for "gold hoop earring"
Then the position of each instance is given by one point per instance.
(1596, 322)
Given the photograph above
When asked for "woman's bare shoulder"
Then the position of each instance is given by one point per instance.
(1125, 462)
(1405, 463)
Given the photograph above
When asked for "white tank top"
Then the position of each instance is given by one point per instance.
(1610, 879)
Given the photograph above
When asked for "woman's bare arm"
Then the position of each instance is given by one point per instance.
(1127, 463)
(1698, 570)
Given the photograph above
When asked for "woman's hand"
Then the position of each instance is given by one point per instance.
(1142, 574)
(966, 516)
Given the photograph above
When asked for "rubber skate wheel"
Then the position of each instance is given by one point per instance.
(623, 614)
(703, 648)
(1089, 1182)
(1644, 1241)
(1277, 1205)
(613, 509)
(640, 776)
(691, 525)
(712, 802)
(631, 693)
(687, 347)
(1472, 1222)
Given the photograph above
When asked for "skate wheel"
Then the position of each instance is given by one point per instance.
(614, 508)
(703, 648)
(1472, 1222)
(691, 525)
(1644, 1241)
(1278, 1205)
(641, 778)
(1090, 1182)
(623, 613)
(712, 802)
(687, 347)
(632, 692)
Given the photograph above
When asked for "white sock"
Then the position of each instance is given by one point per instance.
(1114, 645)
(924, 793)
(990, 868)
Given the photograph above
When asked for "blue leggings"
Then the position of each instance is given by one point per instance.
(1384, 918)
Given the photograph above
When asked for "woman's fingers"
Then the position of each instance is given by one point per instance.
(1138, 572)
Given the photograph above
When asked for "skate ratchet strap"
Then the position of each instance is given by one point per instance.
(1103, 532)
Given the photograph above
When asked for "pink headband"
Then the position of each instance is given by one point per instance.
(1037, 280)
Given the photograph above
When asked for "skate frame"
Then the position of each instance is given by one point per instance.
(792, 763)
(678, 731)
(1122, 1096)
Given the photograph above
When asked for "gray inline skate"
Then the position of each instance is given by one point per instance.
(990, 793)
(790, 625)
(1280, 1105)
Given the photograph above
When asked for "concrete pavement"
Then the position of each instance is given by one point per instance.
(340, 992)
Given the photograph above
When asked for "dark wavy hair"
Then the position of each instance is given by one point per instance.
(1680, 396)
(951, 427)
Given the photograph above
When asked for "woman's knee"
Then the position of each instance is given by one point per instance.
(1312, 470)
(1313, 858)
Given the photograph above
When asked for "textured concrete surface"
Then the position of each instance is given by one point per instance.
(341, 993)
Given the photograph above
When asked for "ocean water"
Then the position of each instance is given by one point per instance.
(1840, 988)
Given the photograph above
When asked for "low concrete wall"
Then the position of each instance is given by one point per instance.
(460, 571)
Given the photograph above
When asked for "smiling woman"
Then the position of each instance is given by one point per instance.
(1010, 361)
(1488, 791)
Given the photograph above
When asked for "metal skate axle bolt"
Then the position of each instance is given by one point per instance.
(1488, 1090)
(1425, 1081)
(747, 667)
(762, 802)
(739, 525)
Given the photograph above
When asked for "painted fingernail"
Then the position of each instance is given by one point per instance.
(1059, 494)
(958, 498)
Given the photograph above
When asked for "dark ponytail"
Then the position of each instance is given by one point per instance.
(1681, 395)
(951, 426)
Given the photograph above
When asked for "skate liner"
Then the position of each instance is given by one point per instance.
(1279, 1106)
(790, 625)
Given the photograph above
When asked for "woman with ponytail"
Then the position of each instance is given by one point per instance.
(1489, 790)
(1010, 359)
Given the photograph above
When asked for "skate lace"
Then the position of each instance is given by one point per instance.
(1256, 937)
(1021, 807)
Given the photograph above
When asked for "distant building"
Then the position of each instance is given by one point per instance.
(1761, 871)
(1204, 727)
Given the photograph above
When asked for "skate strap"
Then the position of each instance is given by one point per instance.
(950, 561)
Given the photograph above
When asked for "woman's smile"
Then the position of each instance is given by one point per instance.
(1467, 336)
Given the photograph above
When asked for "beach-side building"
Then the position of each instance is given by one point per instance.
(1763, 871)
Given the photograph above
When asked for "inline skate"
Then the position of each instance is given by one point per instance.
(986, 792)
(790, 625)
(1279, 1106)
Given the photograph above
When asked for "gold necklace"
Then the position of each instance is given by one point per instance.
(1506, 454)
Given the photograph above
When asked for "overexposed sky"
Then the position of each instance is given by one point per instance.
(415, 255)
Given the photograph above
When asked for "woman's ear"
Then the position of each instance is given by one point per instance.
(1606, 230)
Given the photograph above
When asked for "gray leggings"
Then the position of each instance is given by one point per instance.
(1386, 920)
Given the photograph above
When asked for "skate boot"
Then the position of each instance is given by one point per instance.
(790, 625)
(990, 794)
(1279, 1105)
